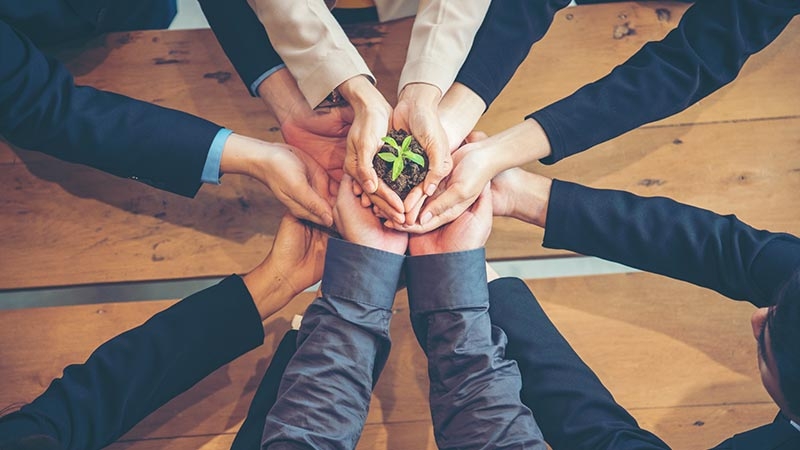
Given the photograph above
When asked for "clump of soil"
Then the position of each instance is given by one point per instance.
(412, 174)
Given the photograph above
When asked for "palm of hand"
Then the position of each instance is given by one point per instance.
(322, 135)
(468, 232)
(359, 225)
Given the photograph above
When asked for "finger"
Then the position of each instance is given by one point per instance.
(451, 201)
(413, 213)
(390, 198)
(307, 204)
(365, 173)
(413, 198)
(441, 163)
(357, 189)
(387, 209)
(365, 201)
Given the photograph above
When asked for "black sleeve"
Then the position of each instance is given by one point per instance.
(138, 371)
(503, 41)
(42, 109)
(571, 405)
(242, 37)
(706, 51)
(663, 236)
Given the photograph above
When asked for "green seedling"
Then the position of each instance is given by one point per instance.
(403, 153)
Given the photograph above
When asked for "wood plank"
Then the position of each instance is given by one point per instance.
(648, 338)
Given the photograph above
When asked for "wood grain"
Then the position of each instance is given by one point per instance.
(674, 354)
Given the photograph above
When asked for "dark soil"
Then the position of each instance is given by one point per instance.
(412, 174)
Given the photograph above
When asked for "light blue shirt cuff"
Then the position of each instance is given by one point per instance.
(211, 169)
(264, 76)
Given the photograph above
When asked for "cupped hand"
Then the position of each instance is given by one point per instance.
(468, 231)
(294, 263)
(359, 225)
(417, 112)
(370, 124)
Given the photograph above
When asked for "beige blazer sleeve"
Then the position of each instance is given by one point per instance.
(312, 44)
(441, 37)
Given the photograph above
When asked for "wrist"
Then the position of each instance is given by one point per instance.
(533, 200)
(268, 288)
(459, 112)
(421, 95)
(279, 92)
(360, 92)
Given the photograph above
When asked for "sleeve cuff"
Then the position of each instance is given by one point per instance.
(447, 281)
(361, 274)
(254, 86)
(211, 168)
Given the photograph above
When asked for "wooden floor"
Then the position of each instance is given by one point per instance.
(681, 358)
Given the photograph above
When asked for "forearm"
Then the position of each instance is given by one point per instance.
(317, 53)
(474, 391)
(42, 109)
(503, 41)
(459, 112)
(706, 51)
(133, 374)
(666, 237)
(343, 344)
(441, 37)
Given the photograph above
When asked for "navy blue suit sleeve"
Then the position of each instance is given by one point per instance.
(663, 236)
(133, 374)
(706, 51)
(571, 405)
(42, 109)
(503, 41)
(242, 37)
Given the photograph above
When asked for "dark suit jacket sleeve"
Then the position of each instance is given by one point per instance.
(503, 41)
(242, 37)
(778, 435)
(42, 109)
(706, 51)
(663, 236)
(133, 374)
(571, 405)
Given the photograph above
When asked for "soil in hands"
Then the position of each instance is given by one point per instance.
(412, 174)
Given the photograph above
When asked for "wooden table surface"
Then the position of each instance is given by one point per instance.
(63, 224)
(691, 380)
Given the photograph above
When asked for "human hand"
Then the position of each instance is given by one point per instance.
(319, 133)
(359, 225)
(370, 124)
(417, 112)
(468, 231)
(294, 263)
(301, 187)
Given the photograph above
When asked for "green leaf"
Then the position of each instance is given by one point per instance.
(390, 140)
(416, 157)
(406, 143)
(388, 157)
(397, 168)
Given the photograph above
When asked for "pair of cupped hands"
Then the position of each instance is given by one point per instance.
(344, 139)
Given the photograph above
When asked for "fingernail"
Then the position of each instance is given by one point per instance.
(431, 189)
(425, 218)
(327, 219)
(370, 187)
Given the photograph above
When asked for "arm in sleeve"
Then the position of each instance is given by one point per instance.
(663, 236)
(705, 52)
(313, 45)
(441, 37)
(342, 346)
(503, 41)
(571, 405)
(474, 390)
(133, 374)
(243, 39)
(42, 109)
